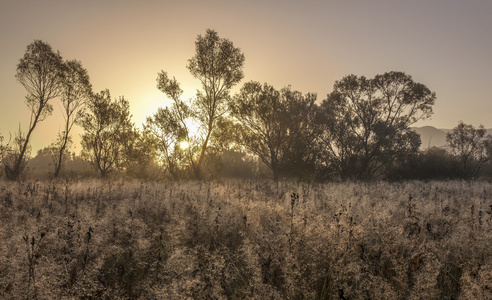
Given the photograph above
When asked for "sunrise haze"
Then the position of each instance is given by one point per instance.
(306, 44)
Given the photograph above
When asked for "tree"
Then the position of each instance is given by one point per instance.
(139, 156)
(75, 93)
(11, 151)
(168, 128)
(367, 122)
(276, 126)
(166, 134)
(471, 147)
(40, 71)
(219, 66)
(108, 129)
(301, 157)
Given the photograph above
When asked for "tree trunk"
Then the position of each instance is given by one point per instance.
(197, 168)
(274, 166)
(15, 172)
(275, 174)
(58, 165)
(63, 147)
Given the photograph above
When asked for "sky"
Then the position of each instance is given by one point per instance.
(123, 44)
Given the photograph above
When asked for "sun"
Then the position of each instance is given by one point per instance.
(184, 145)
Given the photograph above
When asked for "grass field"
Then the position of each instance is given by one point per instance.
(245, 240)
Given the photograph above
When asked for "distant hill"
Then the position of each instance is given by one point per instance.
(432, 136)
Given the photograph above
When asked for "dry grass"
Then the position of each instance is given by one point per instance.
(245, 240)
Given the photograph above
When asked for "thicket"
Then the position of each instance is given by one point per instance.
(245, 240)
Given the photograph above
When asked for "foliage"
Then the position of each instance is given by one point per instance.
(233, 163)
(218, 65)
(360, 132)
(278, 126)
(168, 127)
(108, 129)
(40, 71)
(245, 240)
(139, 153)
(11, 156)
(431, 164)
(76, 91)
(471, 147)
(366, 122)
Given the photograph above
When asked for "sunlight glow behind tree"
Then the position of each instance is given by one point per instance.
(40, 71)
(184, 145)
(219, 66)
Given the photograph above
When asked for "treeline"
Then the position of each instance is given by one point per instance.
(361, 131)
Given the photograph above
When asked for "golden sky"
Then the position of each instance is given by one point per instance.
(444, 44)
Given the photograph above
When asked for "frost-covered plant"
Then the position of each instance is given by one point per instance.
(245, 240)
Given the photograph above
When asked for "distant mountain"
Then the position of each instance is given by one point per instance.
(434, 137)
(431, 136)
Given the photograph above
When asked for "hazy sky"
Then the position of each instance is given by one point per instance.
(444, 44)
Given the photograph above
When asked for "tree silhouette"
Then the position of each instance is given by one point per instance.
(11, 153)
(366, 122)
(218, 65)
(108, 129)
(302, 155)
(471, 147)
(276, 126)
(40, 71)
(168, 127)
(76, 91)
(139, 154)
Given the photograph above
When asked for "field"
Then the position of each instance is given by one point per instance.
(245, 240)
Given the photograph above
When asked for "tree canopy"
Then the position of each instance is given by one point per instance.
(76, 91)
(218, 64)
(366, 122)
(471, 146)
(108, 129)
(361, 131)
(275, 125)
(41, 72)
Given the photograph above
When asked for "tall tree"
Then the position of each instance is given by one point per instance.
(471, 147)
(75, 93)
(278, 126)
(367, 122)
(108, 128)
(168, 128)
(301, 158)
(40, 71)
(219, 66)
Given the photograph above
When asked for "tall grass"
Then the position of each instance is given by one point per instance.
(245, 240)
